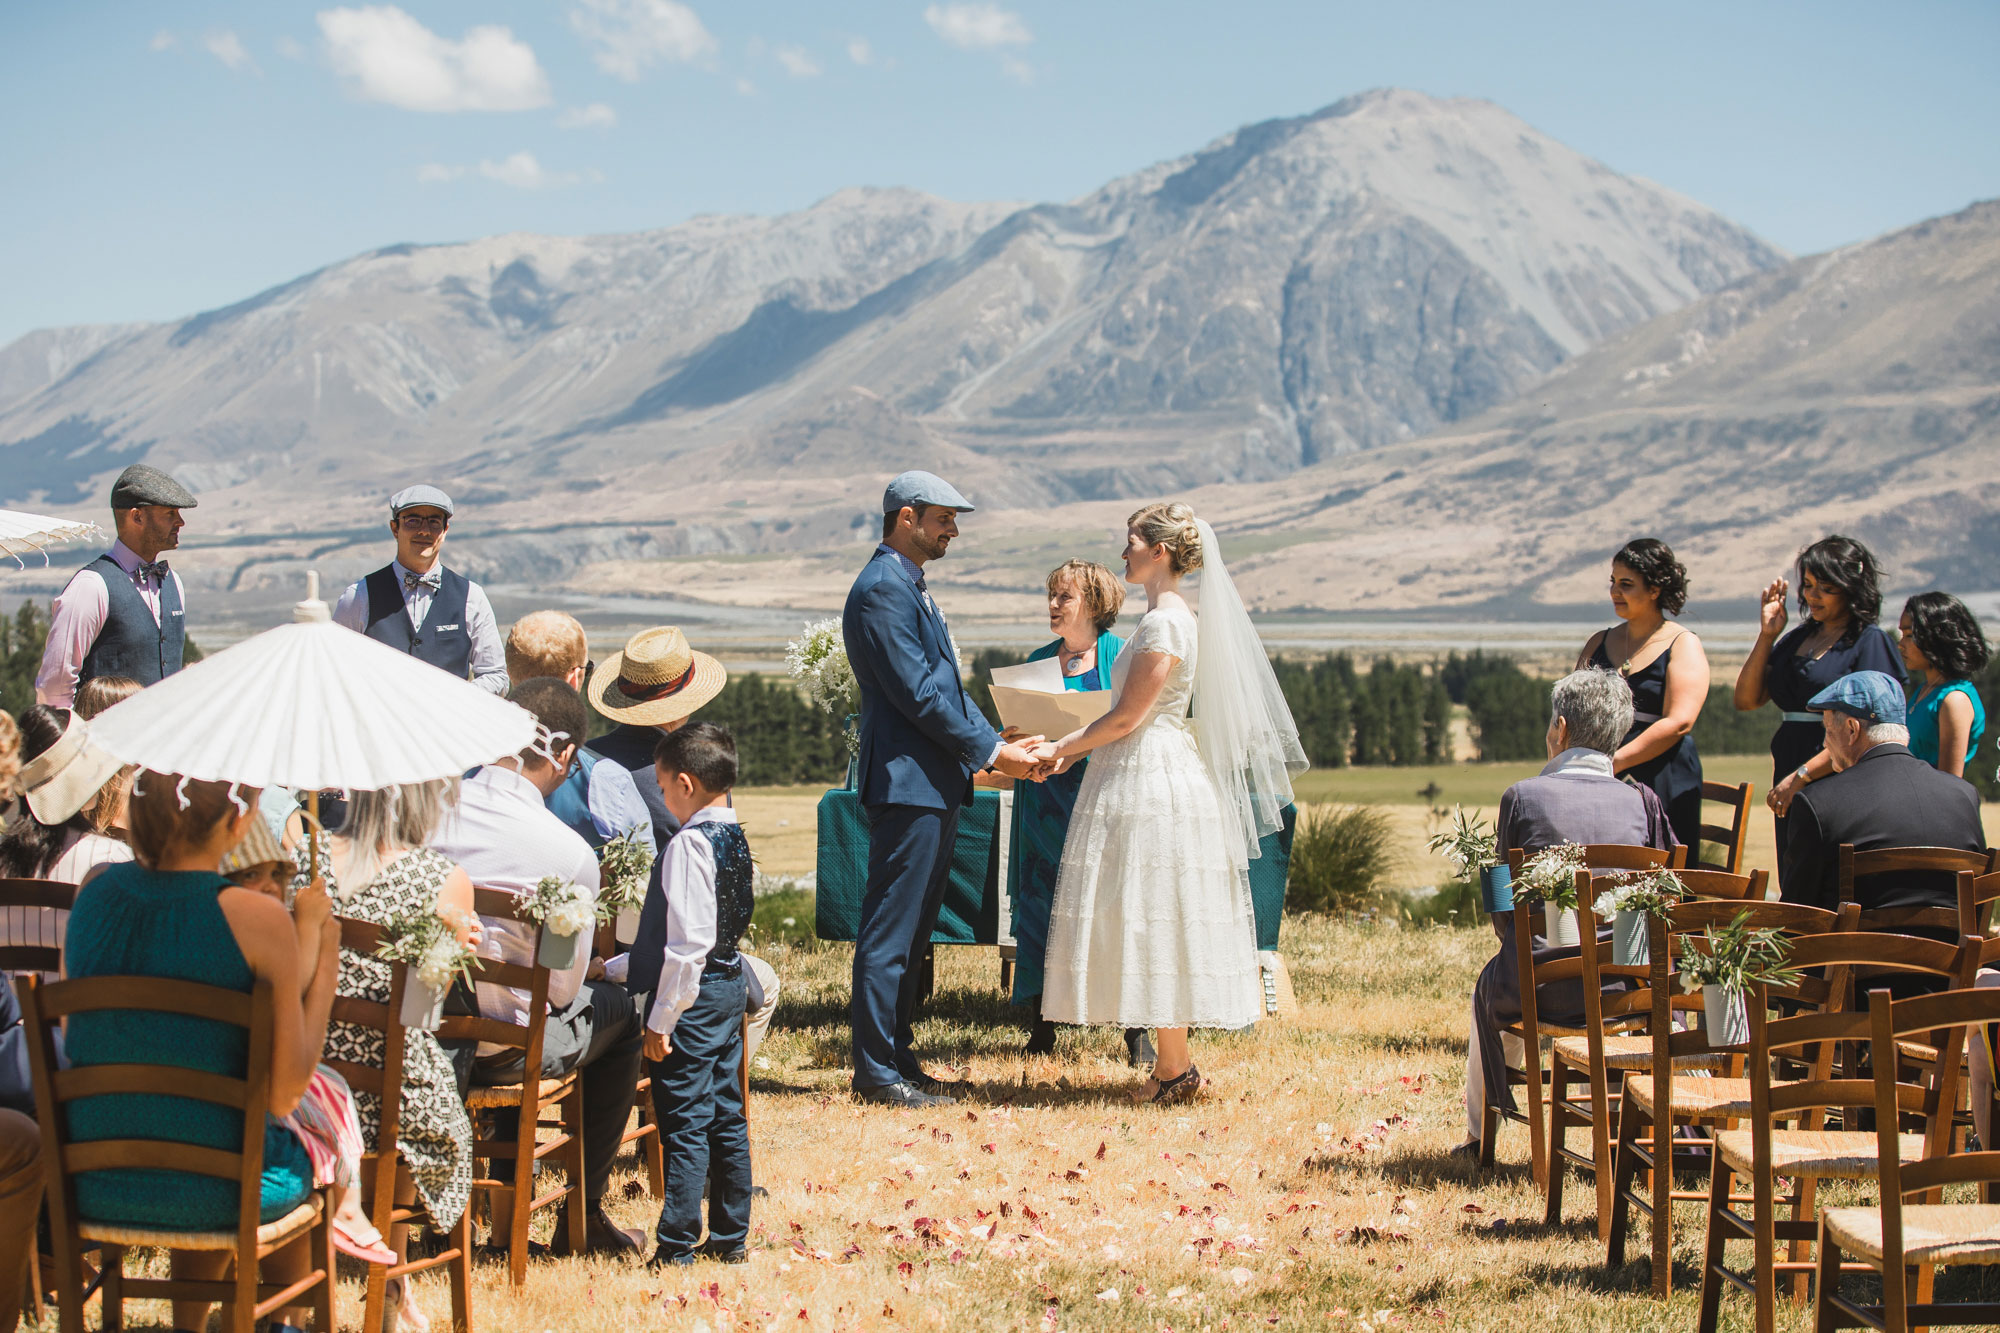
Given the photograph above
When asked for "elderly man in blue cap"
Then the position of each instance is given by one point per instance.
(922, 739)
(417, 606)
(1879, 795)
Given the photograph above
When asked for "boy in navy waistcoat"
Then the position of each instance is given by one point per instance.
(697, 908)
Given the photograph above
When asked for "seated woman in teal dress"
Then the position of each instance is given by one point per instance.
(1084, 601)
(170, 914)
(1944, 649)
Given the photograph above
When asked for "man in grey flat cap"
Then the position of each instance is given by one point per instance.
(417, 606)
(124, 613)
(922, 739)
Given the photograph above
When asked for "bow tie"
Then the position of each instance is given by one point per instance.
(155, 570)
(412, 582)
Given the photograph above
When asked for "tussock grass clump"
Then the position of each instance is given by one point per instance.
(1342, 855)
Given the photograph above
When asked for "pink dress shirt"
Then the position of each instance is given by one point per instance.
(79, 615)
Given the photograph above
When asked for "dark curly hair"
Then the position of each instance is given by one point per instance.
(1653, 561)
(1947, 635)
(1843, 565)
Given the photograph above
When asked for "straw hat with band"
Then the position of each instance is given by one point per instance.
(67, 776)
(657, 679)
(260, 847)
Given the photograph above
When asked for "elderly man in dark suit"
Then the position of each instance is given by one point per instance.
(922, 739)
(1879, 795)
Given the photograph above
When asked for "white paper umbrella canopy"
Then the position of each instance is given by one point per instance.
(22, 533)
(311, 705)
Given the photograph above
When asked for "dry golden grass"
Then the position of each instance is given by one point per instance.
(1310, 1189)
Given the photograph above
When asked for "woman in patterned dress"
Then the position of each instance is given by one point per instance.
(377, 869)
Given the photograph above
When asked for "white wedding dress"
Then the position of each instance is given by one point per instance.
(1152, 924)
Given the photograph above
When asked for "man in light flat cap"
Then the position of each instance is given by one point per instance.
(922, 739)
(124, 613)
(417, 606)
(1878, 795)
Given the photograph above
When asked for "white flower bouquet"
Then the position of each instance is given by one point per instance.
(428, 945)
(1633, 900)
(817, 660)
(566, 913)
(1550, 875)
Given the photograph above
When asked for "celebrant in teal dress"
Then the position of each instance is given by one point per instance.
(1084, 601)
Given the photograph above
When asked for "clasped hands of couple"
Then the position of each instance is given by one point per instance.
(1029, 758)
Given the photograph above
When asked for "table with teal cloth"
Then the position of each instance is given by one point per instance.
(971, 913)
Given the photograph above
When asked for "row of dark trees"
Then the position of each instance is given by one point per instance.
(1389, 714)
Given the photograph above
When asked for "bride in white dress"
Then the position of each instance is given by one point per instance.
(1152, 923)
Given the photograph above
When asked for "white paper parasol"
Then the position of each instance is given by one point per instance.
(311, 705)
(21, 533)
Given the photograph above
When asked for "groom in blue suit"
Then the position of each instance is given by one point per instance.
(922, 739)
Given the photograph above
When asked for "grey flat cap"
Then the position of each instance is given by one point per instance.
(141, 485)
(923, 488)
(412, 497)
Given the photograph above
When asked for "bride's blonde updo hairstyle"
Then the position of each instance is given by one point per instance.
(1170, 524)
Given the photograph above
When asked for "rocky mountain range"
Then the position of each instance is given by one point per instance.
(1294, 297)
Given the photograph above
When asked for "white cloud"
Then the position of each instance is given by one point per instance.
(387, 56)
(227, 47)
(163, 41)
(859, 51)
(797, 62)
(745, 87)
(978, 26)
(521, 171)
(289, 48)
(625, 36)
(596, 116)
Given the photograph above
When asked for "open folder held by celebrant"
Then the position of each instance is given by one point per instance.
(1031, 697)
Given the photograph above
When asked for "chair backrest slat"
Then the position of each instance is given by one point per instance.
(153, 1155)
(1908, 860)
(1947, 1019)
(158, 1080)
(92, 995)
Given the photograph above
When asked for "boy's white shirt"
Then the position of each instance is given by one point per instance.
(687, 880)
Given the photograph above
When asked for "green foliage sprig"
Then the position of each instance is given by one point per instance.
(1471, 845)
(1737, 958)
(624, 866)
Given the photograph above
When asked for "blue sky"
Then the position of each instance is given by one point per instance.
(164, 159)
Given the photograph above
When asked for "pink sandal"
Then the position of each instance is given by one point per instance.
(368, 1252)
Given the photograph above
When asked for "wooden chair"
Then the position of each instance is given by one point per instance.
(1809, 1152)
(1726, 885)
(641, 1129)
(1731, 837)
(1534, 1077)
(531, 1098)
(1609, 1045)
(1898, 1236)
(246, 1299)
(385, 1174)
(32, 898)
(1905, 861)
(1976, 896)
(1648, 1142)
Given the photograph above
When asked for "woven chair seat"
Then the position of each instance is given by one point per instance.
(291, 1224)
(1712, 1097)
(1933, 1233)
(1840, 1153)
(509, 1094)
(1633, 1052)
